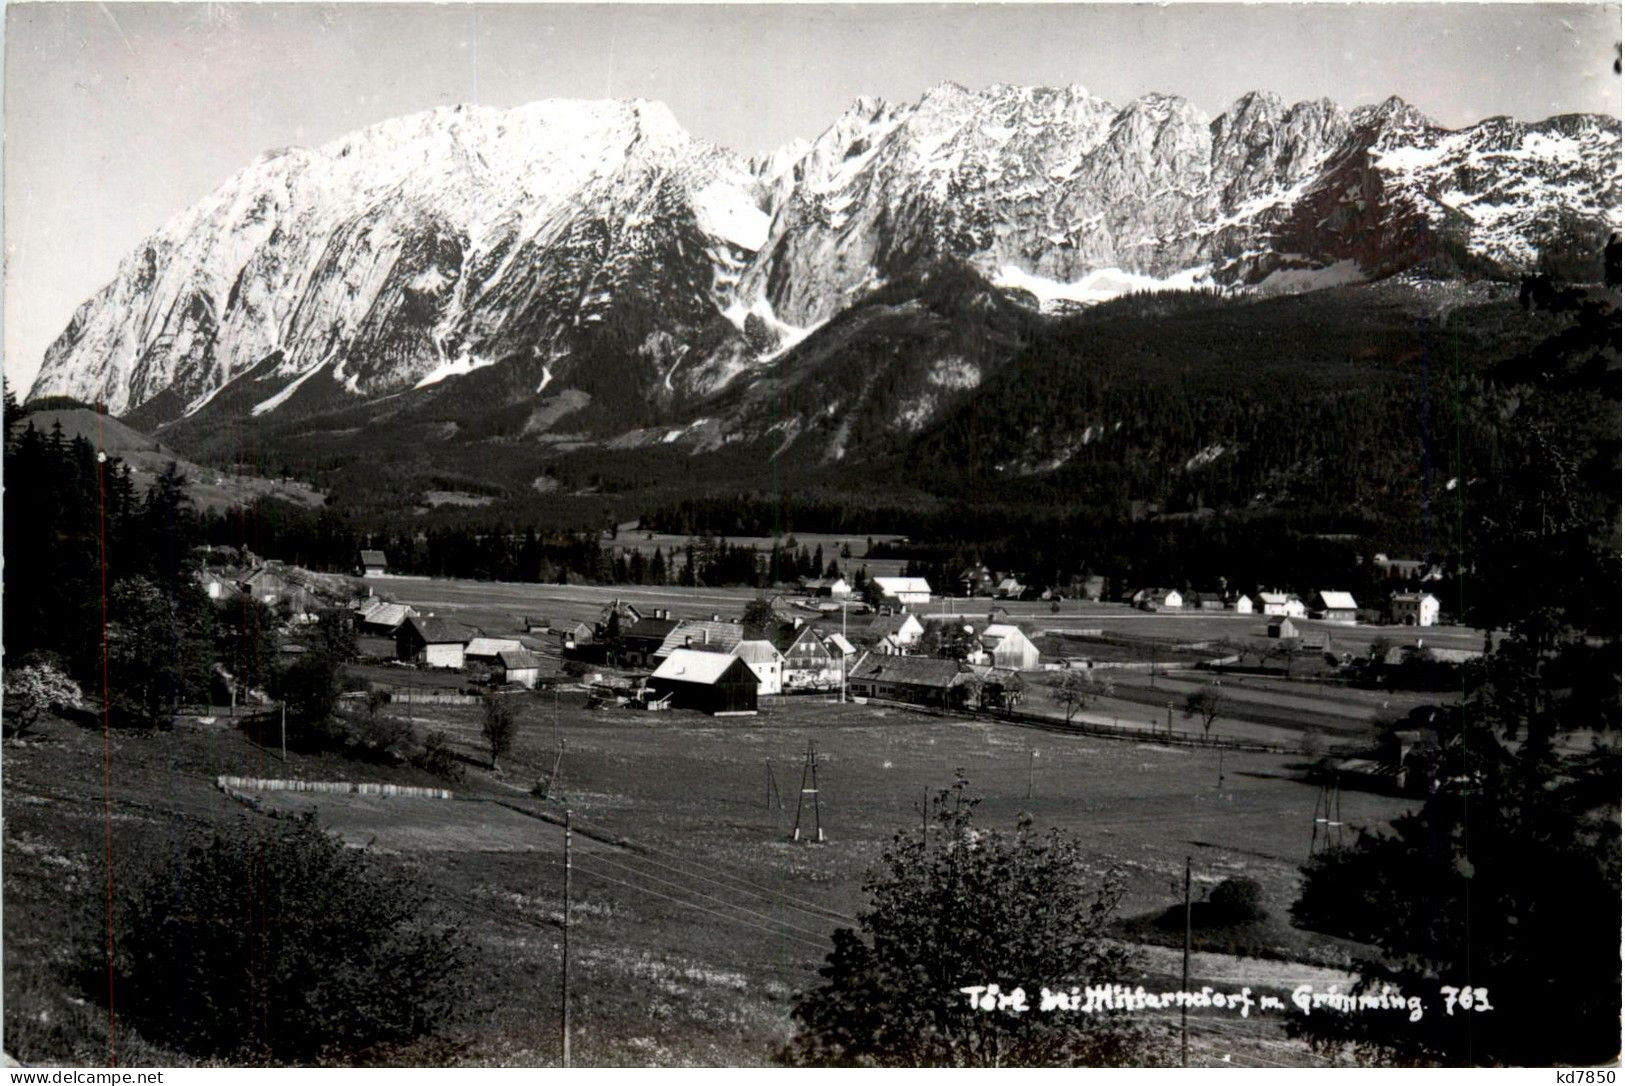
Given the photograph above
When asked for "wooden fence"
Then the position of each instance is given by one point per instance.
(353, 788)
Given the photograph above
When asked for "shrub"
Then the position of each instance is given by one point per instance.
(276, 943)
(1235, 902)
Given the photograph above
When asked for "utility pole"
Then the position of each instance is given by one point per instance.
(1221, 772)
(809, 771)
(564, 973)
(1032, 756)
(1185, 976)
(925, 829)
(284, 731)
(844, 642)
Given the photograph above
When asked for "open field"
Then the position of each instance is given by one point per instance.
(693, 936)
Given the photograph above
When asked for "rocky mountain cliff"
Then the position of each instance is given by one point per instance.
(598, 250)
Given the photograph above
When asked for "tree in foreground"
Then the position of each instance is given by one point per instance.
(277, 944)
(1076, 690)
(31, 691)
(961, 907)
(1205, 705)
(499, 726)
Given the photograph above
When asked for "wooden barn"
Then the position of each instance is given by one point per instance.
(707, 682)
(436, 642)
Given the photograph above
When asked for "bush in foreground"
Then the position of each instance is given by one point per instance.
(277, 944)
(970, 907)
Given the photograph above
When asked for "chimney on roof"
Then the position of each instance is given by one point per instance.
(687, 641)
(705, 636)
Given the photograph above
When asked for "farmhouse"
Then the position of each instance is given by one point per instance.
(373, 564)
(1208, 600)
(1413, 609)
(766, 662)
(1009, 589)
(519, 666)
(1246, 604)
(1158, 599)
(975, 580)
(573, 634)
(900, 593)
(811, 661)
(920, 680)
(1333, 606)
(641, 641)
(1281, 627)
(484, 650)
(383, 619)
(708, 682)
(215, 586)
(892, 633)
(266, 586)
(436, 642)
(711, 634)
(1280, 603)
(828, 587)
(1007, 647)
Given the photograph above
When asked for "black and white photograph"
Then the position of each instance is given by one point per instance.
(797, 535)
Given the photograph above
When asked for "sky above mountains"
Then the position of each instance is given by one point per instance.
(120, 115)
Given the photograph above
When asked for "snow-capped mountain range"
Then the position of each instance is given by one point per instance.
(598, 247)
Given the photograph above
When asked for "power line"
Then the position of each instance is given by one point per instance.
(599, 858)
(703, 909)
(756, 890)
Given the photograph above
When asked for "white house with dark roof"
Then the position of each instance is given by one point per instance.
(1330, 605)
(1413, 609)
(901, 592)
(766, 661)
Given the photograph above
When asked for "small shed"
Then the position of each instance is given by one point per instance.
(519, 666)
(707, 682)
(373, 564)
(1281, 627)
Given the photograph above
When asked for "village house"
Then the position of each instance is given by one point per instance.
(615, 617)
(572, 634)
(215, 586)
(811, 660)
(484, 650)
(1281, 627)
(1009, 588)
(519, 666)
(835, 588)
(373, 564)
(1158, 599)
(975, 580)
(266, 586)
(1245, 604)
(381, 618)
(766, 661)
(1413, 609)
(891, 634)
(433, 642)
(707, 682)
(1208, 600)
(919, 680)
(712, 634)
(1280, 603)
(641, 641)
(1329, 605)
(1007, 647)
(900, 593)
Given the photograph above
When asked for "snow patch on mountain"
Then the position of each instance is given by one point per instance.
(1100, 285)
